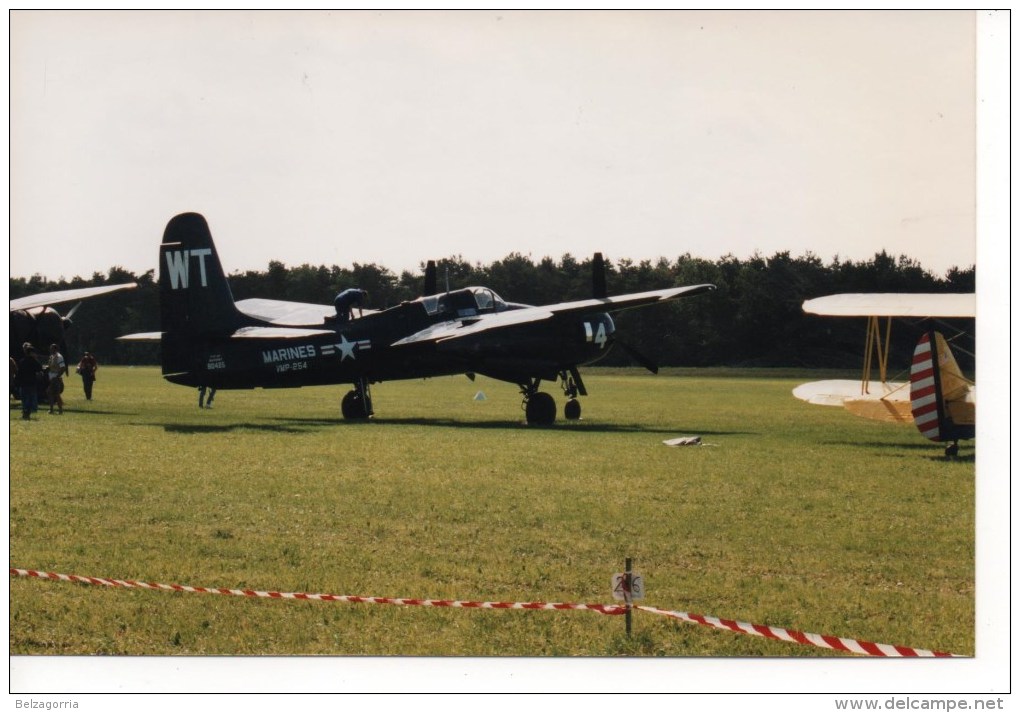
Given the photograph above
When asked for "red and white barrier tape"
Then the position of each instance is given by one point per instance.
(854, 646)
(610, 609)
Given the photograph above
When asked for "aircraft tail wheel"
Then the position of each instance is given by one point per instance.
(540, 409)
(952, 450)
(353, 406)
(572, 410)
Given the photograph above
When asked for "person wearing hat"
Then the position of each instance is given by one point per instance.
(87, 369)
(28, 379)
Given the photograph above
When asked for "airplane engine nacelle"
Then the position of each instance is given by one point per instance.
(41, 327)
(49, 329)
(22, 329)
(597, 331)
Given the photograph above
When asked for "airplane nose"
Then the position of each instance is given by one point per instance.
(598, 329)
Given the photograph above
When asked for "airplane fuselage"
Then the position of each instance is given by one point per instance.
(363, 349)
(208, 339)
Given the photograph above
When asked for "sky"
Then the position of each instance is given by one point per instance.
(397, 137)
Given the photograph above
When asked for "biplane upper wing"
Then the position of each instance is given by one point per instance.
(45, 299)
(893, 304)
(459, 329)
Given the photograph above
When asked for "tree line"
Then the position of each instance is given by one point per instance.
(753, 318)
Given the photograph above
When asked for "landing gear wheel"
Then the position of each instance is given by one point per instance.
(952, 450)
(353, 406)
(540, 409)
(572, 410)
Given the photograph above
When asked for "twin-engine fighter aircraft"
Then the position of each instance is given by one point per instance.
(34, 320)
(209, 340)
(938, 399)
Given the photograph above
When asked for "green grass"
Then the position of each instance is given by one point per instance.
(794, 516)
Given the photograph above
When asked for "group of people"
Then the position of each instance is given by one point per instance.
(28, 374)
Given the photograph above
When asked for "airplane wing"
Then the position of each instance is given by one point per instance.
(284, 313)
(893, 304)
(462, 328)
(836, 392)
(278, 333)
(242, 333)
(51, 298)
(141, 337)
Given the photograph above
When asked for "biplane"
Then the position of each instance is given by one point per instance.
(935, 396)
(208, 339)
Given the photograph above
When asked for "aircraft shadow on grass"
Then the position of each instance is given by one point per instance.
(303, 425)
(904, 447)
(202, 428)
(69, 410)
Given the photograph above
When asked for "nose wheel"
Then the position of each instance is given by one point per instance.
(572, 386)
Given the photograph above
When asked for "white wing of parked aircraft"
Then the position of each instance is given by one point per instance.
(46, 299)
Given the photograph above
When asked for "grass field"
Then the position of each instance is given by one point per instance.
(793, 516)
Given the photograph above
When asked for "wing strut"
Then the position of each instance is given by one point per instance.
(873, 345)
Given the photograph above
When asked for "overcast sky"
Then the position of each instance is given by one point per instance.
(395, 137)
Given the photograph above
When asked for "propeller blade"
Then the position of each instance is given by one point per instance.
(430, 287)
(638, 357)
(74, 309)
(598, 277)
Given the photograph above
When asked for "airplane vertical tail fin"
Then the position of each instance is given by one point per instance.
(935, 382)
(195, 299)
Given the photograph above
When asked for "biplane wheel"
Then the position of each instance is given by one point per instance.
(572, 410)
(353, 406)
(952, 450)
(540, 409)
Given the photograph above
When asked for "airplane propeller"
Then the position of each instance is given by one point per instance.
(431, 283)
(598, 291)
(67, 318)
(598, 277)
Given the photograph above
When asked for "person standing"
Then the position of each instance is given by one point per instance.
(87, 368)
(205, 396)
(27, 380)
(56, 367)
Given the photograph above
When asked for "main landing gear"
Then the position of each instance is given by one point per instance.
(540, 407)
(357, 403)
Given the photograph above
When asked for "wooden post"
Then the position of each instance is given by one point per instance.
(627, 583)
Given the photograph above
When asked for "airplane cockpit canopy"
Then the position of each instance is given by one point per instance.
(467, 302)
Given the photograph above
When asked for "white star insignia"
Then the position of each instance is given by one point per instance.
(346, 348)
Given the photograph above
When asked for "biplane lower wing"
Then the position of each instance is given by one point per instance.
(879, 401)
